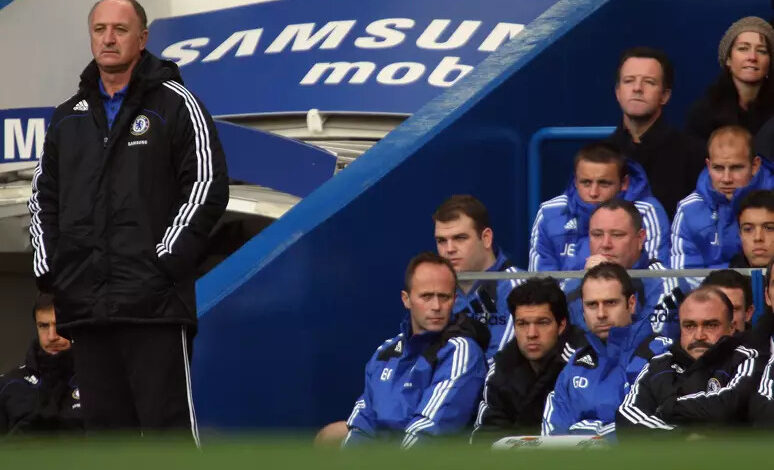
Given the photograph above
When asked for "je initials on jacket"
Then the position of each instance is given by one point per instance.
(569, 249)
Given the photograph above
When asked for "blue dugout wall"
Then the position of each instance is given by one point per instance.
(288, 322)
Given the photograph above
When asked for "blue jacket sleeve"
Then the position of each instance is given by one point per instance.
(684, 253)
(558, 414)
(542, 255)
(362, 422)
(450, 400)
(656, 225)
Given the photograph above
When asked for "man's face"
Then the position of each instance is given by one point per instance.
(640, 88)
(729, 164)
(536, 330)
(612, 235)
(117, 38)
(431, 298)
(598, 182)
(749, 59)
(702, 324)
(459, 242)
(741, 314)
(605, 306)
(756, 229)
(50, 341)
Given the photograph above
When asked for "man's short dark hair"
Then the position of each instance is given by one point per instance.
(735, 130)
(42, 302)
(463, 204)
(644, 52)
(760, 199)
(706, 293)
(613, 272)
(731, 279)
(628, 206)
(425, 257)
(137, 9)
(538, 291)
(602, 152)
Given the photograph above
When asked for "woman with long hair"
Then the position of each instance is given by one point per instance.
(743, 93)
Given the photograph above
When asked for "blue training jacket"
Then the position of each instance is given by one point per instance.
(487, 302)
(595, 381)
(705, 232)
(657, 300)
(421, 385)
(560, 234)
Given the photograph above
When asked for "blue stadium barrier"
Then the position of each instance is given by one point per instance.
(288, 322)
(535, 157)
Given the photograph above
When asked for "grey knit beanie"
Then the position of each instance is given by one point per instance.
(748, 23)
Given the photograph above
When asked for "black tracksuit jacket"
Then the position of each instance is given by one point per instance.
(40, 396)
(676, 391)
(514, 395)
(121, 216)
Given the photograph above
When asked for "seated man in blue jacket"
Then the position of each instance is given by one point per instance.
(464, 236)
(590, 388)
(616, 235)
(705, 232)
(756, 230)
(427, 380)
(559, 239)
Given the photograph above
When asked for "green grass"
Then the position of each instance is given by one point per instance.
(730, 453)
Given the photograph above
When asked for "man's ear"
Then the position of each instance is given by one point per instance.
(487, 236)
(404, 296)
(562, 325)
(756, 164)
(749, 313)
(631, 304)
(625, 183)
(665, 96)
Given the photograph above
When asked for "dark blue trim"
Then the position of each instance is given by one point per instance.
(68, 117)
(163, 121)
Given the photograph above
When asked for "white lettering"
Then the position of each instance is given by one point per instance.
(463, 33)
(16, 138)
(338, 71)
(580, 382)
(390, 75)
(569, 249)
(247, 40)
(179, 52)
(501, 33)
(386, 374)
(449, 65)
(384, 35)
(301, 34)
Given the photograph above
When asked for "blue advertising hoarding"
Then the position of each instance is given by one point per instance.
(343, 55)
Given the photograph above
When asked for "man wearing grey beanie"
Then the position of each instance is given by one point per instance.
(742, 94)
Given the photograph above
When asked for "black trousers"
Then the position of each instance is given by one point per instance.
(135, 377)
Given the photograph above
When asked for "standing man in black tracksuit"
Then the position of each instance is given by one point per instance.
(706, 380)
(525, 370)
(131, 182)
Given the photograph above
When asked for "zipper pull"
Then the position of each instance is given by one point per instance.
(104, 142)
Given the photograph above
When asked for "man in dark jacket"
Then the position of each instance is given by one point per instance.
(525, 370)
(705, 380)
(41, 395)
(671, 159)
(132, 180)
